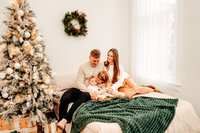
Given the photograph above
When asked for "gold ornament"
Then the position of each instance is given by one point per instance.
(8, 35)
(19, 98)
(27, 47)
(13, 51)
(38, 104)
(21, 84)
(20, 90)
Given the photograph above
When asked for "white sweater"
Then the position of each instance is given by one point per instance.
(123, 75)
(85, 71)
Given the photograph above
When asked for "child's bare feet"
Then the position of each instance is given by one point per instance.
(107, 98)
(152, 87)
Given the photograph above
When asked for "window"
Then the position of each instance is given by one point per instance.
(154, 46)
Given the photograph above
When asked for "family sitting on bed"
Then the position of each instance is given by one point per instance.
(98, 81)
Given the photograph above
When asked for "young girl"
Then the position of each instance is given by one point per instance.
(103, 86)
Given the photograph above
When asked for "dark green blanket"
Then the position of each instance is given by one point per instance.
(137, 115)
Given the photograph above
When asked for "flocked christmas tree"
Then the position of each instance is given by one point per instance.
(25, 74)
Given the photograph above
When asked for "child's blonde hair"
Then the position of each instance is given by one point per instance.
(103, 76)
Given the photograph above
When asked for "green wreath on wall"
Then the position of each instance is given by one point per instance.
(75, 23)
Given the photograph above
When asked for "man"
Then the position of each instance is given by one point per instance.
(82, 94)
(91, 68)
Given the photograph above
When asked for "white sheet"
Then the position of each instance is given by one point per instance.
(185, 120)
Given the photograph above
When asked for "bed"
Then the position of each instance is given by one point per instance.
(184, 121)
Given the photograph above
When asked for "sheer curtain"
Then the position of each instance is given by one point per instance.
(154, 43)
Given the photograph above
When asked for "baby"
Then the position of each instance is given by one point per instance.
(100, 86)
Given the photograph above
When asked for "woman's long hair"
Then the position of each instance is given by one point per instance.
(116, 70)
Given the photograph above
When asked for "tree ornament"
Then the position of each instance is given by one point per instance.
(5, 95)
(26, 43)
(28, 104)
(21, 40)
(28, 48)
(17, 65)
(75, 23)
(20, 30)
(27, 34)
(38, 56)
(9, 70)
(21, 84)
(21, 13)
(33, 19)
(19, 98)
(29, 98)
(47, 81)
(35, 76)
(33, 35)
(43, 86)
(2, 75)
(13, 51)
(35, 95)
(14, 39)
(16, 77)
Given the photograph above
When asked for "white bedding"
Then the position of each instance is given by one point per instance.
(185, 120)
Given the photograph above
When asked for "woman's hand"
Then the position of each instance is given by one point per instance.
(110, 90)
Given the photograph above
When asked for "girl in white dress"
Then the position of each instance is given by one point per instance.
(100, 85)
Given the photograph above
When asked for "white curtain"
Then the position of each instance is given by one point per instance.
(154, 43)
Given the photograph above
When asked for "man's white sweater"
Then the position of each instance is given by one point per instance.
(85, 71)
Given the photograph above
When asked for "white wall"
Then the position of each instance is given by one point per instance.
(189, 52)
(107, 28)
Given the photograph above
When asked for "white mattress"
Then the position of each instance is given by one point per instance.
(185, 120)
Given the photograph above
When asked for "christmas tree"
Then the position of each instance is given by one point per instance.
(25, 74)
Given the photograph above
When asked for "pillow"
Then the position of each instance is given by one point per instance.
(65, 82)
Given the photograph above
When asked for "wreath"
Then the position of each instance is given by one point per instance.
(75, 23)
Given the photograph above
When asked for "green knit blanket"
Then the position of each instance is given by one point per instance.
(137, 115)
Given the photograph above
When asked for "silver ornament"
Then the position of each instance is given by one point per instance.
(17, 65)
(21, 13)
(27, 34)
(9, 70)
(2, 75)
(5, 95)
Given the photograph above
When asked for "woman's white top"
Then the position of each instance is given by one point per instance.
(123, 75)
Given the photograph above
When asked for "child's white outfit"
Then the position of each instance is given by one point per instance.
(100, 90)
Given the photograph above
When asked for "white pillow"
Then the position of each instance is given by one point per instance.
(65, 82)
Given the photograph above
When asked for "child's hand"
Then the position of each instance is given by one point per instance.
(93, 96)
(110, 90)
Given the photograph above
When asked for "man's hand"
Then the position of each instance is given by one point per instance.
(94, 96)
(110, 90)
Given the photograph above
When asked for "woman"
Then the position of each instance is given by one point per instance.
(120, 80)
